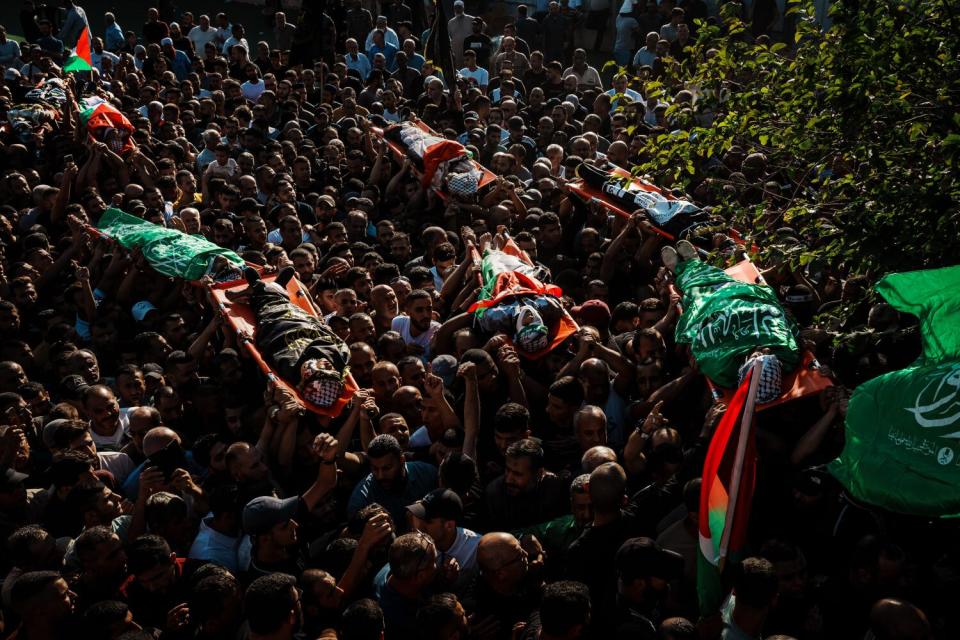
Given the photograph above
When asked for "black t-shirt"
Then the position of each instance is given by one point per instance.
(479, 42)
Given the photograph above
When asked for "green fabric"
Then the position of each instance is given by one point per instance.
(557, 534)
(725, 320)
(902, 449)
(493, 264)
(76, 63)
(168, 251)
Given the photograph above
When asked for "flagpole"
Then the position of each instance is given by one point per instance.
(745, 426)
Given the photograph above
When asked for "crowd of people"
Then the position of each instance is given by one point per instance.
(155, 484)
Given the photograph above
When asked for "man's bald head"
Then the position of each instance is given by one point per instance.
(596, 456)
(608, 484)
(892, 619)
(495, 549)
(157, 438)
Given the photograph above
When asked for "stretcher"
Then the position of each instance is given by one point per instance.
(805, 380)
(241, 319)
(514, 283)
(434, 143)
(622, 194)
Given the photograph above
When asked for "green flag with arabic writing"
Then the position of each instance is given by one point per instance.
(725, 320)
(902, 449)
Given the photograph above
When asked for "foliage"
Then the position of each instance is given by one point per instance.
(860, 125)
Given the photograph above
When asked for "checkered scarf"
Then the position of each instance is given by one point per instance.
(320, 386)
(463, 184)
(770, 385)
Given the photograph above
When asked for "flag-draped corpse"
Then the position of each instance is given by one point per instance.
(673, 217)
(724, 320)
(104, 123)
(168, 251)
(510, 283)
(726, 492)
(902, 449)
(80, 58)
(437, 47)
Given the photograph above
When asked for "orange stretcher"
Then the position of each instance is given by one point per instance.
(594, 195)
(508, 286)
(805, 380)
(241, 319)
(400, 154)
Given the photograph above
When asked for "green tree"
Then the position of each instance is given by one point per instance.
(861, 121)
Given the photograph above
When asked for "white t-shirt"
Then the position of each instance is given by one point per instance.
(401, 324)
(252, 90)
(200, 38)
(217, 170)
(481, 75)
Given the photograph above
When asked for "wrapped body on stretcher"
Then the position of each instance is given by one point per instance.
(300, 347)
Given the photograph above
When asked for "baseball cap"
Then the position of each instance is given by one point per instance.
(166, 41)
(11, 479)
(327, 200)
(471, 115)
(11, 74)
(439, 503)
(642, 557)
(72, 387)
(445, 367)
(141, 309)
(593, 312)
(263, 513)
(50, 431)
(458, 3)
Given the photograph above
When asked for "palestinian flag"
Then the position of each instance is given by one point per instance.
(80, 58)
(726, 493)
(104, 123)
(508, 275)
(675, 218)
(168, 251)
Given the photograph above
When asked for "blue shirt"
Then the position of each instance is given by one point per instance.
(113, 38)
(416, 61)
(181, 65)
(361, 64)
(389, 53)
(421, 479)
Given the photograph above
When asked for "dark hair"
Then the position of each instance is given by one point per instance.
(437, 616)
(208, 595)
(362, 620)
(19, 543)
(568, 389)
(100, 616)
(417, 294)
(527, 448)
(384, 445)
(511, 417)
(67, 433)
(147, 552)
(756, 583)
(268, 602)
(30, 585)
(458, 472)
(565, 605)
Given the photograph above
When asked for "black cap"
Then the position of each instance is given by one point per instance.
(11, 479)
(72, 387)
(642, 557)
(439, 503)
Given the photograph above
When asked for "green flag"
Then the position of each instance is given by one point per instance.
(902, 448)
(725, 320)
(168, 251)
